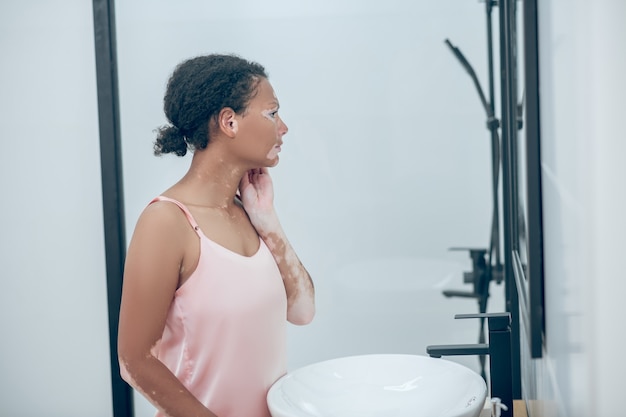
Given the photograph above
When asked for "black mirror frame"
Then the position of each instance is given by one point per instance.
(112, 188)
(534, 292)
(524, 224)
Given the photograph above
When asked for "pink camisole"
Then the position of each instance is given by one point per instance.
(225, 332)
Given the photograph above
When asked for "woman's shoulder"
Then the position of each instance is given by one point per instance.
(162, 217)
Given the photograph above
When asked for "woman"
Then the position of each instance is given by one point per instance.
(210, 278)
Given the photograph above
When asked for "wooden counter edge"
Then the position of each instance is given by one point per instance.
(519, 408)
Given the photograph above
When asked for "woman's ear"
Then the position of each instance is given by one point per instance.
(227, 122)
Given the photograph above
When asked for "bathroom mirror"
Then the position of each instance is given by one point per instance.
(522, 133)
(534, 275)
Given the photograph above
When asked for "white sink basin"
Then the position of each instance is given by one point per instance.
(390, 385)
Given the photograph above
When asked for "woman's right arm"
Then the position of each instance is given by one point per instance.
(151, 276)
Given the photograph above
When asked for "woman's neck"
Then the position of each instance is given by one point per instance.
(210, 181)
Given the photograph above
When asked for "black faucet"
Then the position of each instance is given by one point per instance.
(499, 351)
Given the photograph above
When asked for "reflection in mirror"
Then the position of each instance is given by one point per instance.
(386, 164)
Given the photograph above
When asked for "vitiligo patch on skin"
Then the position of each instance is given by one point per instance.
(268, 115)
(156, 395)
(273, 153)
(289, 261)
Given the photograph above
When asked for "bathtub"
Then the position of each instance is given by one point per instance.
(388, 305)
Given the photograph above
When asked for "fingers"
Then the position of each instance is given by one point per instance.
(251, 176)
(245, 180)
(255, 174)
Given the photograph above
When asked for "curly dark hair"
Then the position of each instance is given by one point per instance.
(198, 89)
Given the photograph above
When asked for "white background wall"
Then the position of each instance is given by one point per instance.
(386, 164)
(54, 348)
(583, 62)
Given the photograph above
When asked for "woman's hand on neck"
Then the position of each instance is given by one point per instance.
(257, 195)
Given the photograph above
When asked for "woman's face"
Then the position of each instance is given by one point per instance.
(260, 128)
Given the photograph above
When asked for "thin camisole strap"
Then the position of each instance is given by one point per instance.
(185, 210)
